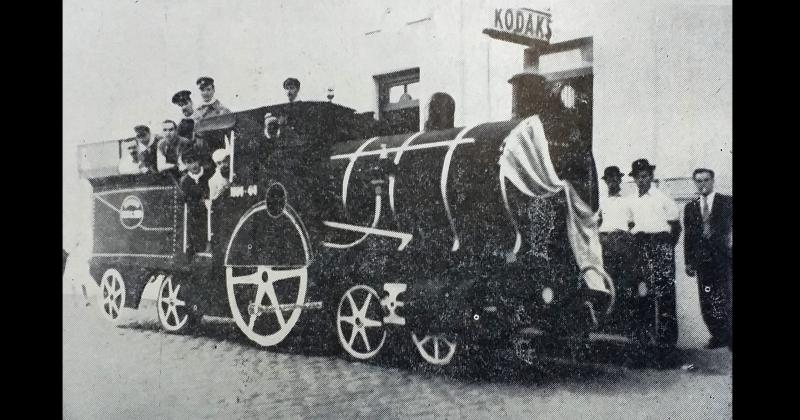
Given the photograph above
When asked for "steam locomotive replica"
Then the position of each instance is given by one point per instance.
(445, 238)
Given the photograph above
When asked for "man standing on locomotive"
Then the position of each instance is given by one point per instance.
(183, 100)
(656, 229)
(129, 161)
(210, 107)
(218, 182)
(170, 146)
(194, 186)
(292, 87)
(146, 149)
(708, 246)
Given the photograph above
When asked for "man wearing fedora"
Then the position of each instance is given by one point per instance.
(615, 220)
(708, 254)
(656, 229)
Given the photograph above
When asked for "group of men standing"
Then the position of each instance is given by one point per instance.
(638, 233)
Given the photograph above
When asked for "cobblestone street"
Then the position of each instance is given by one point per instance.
(138, 371)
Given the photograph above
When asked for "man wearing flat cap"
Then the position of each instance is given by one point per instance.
(656, 229)
(292, 87)
(615, 220)
(210, 107)
(183, 100)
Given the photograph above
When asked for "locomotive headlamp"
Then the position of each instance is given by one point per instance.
(568, 96)
(276, 199)
(548, 295)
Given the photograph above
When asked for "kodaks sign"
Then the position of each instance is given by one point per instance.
(521, 25)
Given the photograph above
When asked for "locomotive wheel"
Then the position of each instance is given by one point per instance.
(356, 318)
(264, 280)
(111, 298)
(435, 349)
(173, 312)
(259, 310)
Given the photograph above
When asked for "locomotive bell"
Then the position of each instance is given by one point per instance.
(528, 95)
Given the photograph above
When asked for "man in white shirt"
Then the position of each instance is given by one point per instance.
(129, 162)
(218, 182)
(615, 237)
(656, 229)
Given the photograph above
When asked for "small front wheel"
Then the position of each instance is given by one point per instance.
(175, 315)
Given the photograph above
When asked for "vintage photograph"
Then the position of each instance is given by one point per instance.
(397, 209)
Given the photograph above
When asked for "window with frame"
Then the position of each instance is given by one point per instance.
(398, 102)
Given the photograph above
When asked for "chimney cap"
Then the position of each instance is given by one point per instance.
(529, 76)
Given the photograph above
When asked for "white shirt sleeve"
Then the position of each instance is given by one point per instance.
(671, 210)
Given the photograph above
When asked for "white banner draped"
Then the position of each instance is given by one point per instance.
(525, 162)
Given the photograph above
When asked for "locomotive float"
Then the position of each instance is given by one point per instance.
(443, 238)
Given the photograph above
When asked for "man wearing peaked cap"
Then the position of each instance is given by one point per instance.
(183, 100)
(656, 229)
(210, 107)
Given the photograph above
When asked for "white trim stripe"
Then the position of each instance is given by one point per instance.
(127, 190)
(443, 181)
(103, 254)
(399, 150)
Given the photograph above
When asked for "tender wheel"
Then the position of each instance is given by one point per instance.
(435, 349)
(267, 273)
(359, 325)
(173, 312)
(111, 298)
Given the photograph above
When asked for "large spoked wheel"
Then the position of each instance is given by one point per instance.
(111, 298)
(435, 349)
(359, 322)
(267, 285)
(253, 316)
(174, 313)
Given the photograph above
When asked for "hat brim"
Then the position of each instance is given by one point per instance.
(649, 168)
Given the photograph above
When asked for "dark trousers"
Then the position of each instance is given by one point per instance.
(655, 272)
(618, 262)
(715, 289)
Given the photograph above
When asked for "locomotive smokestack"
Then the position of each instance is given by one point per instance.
(528, 96)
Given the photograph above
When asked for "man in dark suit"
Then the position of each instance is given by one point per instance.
(708, 254)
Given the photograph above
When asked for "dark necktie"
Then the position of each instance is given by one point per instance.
(706, 219)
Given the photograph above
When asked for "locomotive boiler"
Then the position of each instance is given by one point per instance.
(445, 237)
